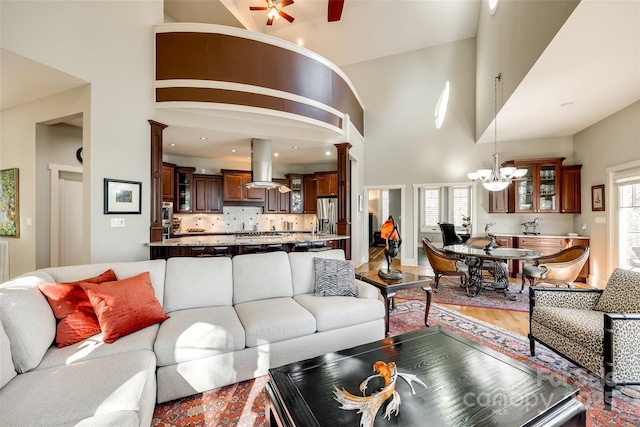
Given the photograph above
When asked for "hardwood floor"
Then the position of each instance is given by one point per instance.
(514, 321)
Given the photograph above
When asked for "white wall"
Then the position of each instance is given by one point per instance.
(109, 44)
(608, 143)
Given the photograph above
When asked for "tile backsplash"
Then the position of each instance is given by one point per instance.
(250, 218)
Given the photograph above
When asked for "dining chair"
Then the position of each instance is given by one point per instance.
(449, 235)
(444, 264)
(561, 268)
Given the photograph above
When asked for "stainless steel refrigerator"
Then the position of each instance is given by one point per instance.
(327, 213)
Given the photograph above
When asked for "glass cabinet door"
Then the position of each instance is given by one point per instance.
(547, 188)
(524, 191)
(183, 190)
(295, 183)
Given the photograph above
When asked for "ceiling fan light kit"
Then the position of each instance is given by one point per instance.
(274, 10)
(497, 178)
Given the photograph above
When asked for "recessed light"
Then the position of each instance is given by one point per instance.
(275, 154)
(172, 145)
(328, 153)
(300, 42)
(204, 138)
(233, 150)
(295, 147)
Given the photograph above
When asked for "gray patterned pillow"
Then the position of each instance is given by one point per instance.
(334, 277)
(622, 294)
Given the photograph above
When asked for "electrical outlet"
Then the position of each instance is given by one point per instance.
(601, 220)
(117, 222)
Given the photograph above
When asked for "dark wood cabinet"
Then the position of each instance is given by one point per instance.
(326, 184)
(168, 182)
(296, 196)
(571, 188)
(183, 189)
(233, 190)
(309, 191)
(207, 193)
(502, 201)
(277, 202)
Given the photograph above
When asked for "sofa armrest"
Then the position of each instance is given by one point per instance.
(583, 299)
(366, 290)
(621, 343)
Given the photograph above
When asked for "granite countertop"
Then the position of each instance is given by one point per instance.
(232, 233)
(234, 240)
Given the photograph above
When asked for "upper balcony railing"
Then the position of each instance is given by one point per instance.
(213, 66)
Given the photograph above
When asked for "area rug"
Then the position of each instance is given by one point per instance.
(451, 292)
(243, 404)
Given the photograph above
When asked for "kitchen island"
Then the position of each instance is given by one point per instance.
(234, 244)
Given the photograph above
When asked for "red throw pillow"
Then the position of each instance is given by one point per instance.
(70, 304)
(124, 306)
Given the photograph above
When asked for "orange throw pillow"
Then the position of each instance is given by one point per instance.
(124, 306)
(70, 304)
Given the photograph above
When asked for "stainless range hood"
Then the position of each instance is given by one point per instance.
(261, 166)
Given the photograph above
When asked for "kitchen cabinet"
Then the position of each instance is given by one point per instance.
(276, 201)
(296, 196)
(502, 201)
(539, 190)
(184, 181)
(233, 191)
(571, 188)
(326, 184)
(548, 245)
(207, 193)
(168, 182)
(309, 192)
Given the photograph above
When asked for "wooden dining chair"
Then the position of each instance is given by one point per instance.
(444, 264)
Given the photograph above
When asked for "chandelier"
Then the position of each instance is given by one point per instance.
(498, 178)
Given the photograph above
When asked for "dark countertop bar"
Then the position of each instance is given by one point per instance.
(235, 240)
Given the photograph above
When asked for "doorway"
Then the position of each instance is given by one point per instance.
(382, 202)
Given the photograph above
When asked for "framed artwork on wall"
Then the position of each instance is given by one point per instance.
(9, 203)
(597, 197)
(122, 197)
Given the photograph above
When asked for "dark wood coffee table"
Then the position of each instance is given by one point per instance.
(388, 289)
(467, 384)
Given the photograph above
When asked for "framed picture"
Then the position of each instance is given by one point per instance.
(597, 197)
(122, 197)
(9, 203)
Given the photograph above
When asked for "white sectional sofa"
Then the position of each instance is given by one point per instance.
(230, 320)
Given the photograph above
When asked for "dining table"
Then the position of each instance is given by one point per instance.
(476, 257)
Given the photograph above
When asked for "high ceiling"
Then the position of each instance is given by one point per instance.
(592, 66)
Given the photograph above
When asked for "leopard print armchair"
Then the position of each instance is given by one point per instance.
(598, 329)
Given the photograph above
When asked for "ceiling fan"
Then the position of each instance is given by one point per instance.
(274, 10)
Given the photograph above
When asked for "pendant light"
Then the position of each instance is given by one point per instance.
(498, 178)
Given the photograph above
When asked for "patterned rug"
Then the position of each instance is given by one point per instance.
(451, 292)
(243, 404)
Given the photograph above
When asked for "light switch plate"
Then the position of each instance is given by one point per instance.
(117, 222)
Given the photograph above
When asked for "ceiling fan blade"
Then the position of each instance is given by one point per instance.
(335, 10)
(284, 3)
(258, 8)
(270, 20)
(285, 16)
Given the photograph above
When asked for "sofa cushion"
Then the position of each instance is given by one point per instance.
(273, 320)
(338, 312)
(198, 333)
(58, 396)
(124, 306)
(261, 276)
(622, 294)
(334, 278)
(28, 321)
(7, 370)
(70, 304)
(303, 272)
(585, 327)
(198, 282)
(73, 273)
(94, 347)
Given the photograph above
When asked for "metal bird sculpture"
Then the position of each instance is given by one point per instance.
(487, 227)
(369, 406)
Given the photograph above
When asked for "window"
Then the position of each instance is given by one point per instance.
(444, 204)
(384, 201)
(629, 225)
